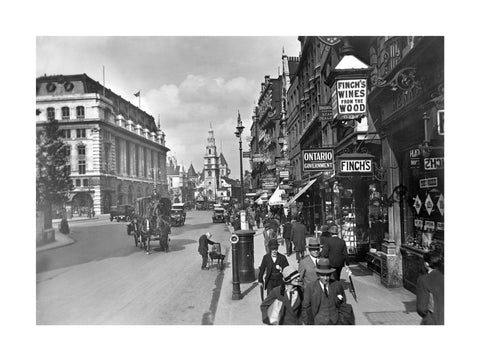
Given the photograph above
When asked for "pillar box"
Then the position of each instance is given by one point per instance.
(245, 256)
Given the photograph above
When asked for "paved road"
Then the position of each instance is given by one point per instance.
(104, 279)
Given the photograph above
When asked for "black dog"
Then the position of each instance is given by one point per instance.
(216, 254)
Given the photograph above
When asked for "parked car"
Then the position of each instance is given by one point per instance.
(178, 214)
(122, 212)
(218, 215)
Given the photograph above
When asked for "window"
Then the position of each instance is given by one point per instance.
(81, 167)
(209, 173)
(78, 182)
(209, 160)
(81, 133)
(85, 182)
(68, 169)
(80, 112)
(50, 113)
(68, 151)
(81, 150)
(65, 113)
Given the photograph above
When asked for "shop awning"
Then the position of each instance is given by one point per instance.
(303, 190)
(276, 198)
(262, 199)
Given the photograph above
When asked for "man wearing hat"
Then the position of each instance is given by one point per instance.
(298, 236)
(307, 266)
(271, 267)
(335, 249)
(268, 235)
(290, 294)
(322, 297)
(324, 234)
(203, 243)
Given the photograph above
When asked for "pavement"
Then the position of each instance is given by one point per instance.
(377, 304)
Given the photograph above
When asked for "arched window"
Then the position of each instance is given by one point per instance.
(50, 113)
(65, 113)
(209, 152)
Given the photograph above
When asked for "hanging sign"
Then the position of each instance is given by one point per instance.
(246, 154)
(414, 158)
(317, 160)
(325, 113)
(429, 204)
(349, 99)
(417, 204)
(355, 166)
(433, 163)
(428, 182)
(440, 204)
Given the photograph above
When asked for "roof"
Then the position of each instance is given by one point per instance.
(222, 160)
(191, 171)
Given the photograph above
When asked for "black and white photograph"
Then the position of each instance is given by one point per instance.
(197, 173)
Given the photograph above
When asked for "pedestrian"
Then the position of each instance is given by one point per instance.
(268, 235)
(290, 294)
(257, 218)
(203, 242)
(64, 228)
(324, 234)
(335, 249)
(307, 268)
(298, 237)
(323, 297)
(430, 290)
(270, 271)
(236, 223)
(287, 236)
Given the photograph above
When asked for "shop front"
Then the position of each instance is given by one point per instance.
(410, 118)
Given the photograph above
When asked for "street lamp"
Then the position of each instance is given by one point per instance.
(238, 133)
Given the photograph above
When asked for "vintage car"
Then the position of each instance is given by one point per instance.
(218, 215)
(178, 214)
(122, 212)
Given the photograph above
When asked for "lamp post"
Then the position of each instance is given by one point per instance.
(238, 133)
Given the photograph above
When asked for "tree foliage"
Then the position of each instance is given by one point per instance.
(53, 179)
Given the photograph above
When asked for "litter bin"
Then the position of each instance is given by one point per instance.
(246, 269)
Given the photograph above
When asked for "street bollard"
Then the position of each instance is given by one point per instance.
(236, 294)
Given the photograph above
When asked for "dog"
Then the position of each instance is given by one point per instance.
(215, 254)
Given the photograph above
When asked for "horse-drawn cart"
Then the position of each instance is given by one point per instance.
(151, 222)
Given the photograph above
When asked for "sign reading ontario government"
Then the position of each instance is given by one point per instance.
(317, 160)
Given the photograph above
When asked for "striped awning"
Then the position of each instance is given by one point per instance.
(303, 190)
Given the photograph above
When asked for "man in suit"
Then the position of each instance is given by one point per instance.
(268, 235)
(299, 232)
(290, 294)
(430, 291)
(335, 249)
(271, 267)
(307, 268)
(322, 298)
(203, 242)
(287, 235)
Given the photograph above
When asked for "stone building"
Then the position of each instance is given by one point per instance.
(116, 151)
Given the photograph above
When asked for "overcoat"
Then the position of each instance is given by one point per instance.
(299, 233)
(317, 308)
(431, 308)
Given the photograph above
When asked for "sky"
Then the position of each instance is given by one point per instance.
(188, 82)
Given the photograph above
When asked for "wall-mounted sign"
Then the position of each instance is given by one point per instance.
(415, 158)
(355, 166)
(433, 163)
(317, 160)
(429, 204)
(349, 98)
(440, 226)
(419, 223)
(428, 182)
(246, 154)
(284, 174)
(325, 113)
(429, 225)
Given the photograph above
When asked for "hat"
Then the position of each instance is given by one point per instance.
(208, 235)
(313, 243)
(323, 266)
(333, 229)
(324, 228)
(289, 274)
(273, 244)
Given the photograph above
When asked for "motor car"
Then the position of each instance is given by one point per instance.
(178, 214)
(121, 212)
(218, 215)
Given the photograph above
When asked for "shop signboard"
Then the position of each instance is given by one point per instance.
(349, 98)
(320, 159)
(284, 174)
(414, 158)
(251, 194)
(429, 225)
(433, 163)
(280, 162)
(246, 154)
(325, 113)
(440, 226)
(419, 223)
(364, 166)
(429, 182)
(258, 158)
(429, 204)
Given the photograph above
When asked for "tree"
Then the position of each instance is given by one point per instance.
(53, 178)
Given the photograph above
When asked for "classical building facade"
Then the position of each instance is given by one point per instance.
(116, 151)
